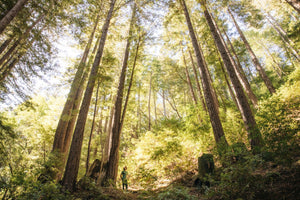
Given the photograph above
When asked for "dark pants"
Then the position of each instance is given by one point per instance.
(124, 183)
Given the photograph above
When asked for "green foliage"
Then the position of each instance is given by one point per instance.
(146, 177)
(175, 193)
(36, 190)
(7, 136)
(162, 154)
(278, 118)
(236, 179)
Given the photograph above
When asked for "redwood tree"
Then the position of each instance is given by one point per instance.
(72, 167)
(11, 14)
(212, 110)
(254, 134)
(255, 60)
(113, 163)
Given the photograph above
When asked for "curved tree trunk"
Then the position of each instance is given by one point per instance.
(212, 110)
(11, 14)
(257, 64)
(71, 172)
(254, 135)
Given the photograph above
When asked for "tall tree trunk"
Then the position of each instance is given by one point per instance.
(212, 88)
(189, 80)
(233, 96)
(283, 37)
(211, 85)
(76, 106)
(257, 64)
(92, 130)
(71, 172)
(197, 82)
(240, 73)
(212, 110)
(248, 118)
(113, 163)
(109, 133)
(164, 103)
(279, 71)
(67, 121)
(11, 14)
(130, 82)
(295, 4)
(139, 110)
(149, 103)
(173, 105)
(154, 105)
(5, 44)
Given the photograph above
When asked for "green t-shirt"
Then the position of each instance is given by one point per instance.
(123, 175)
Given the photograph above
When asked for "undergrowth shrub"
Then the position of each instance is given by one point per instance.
(175, 193)
(37, 191)
(278, 119)
(236, 180)
(146, 177)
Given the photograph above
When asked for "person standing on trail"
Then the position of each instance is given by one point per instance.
(123, 176)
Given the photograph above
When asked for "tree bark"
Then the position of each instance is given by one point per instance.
(67, 121)
(71, 171)
(212, 110)
(139, 111)
(279, 71)
(164, 103)
(5, 44)
(109, 132)
(254, 135)
(198, 83)
(240, 73)
(189, 80)
(113, 163)
(283, 37)
(130, 83)
(233, 96)
(11, 14)
(149, 103)
(295, 4)
(257, 64)
(92, 130)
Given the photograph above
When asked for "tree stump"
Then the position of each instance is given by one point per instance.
(94, 169)
(206, 165)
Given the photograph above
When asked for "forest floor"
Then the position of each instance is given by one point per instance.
(282, 183)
